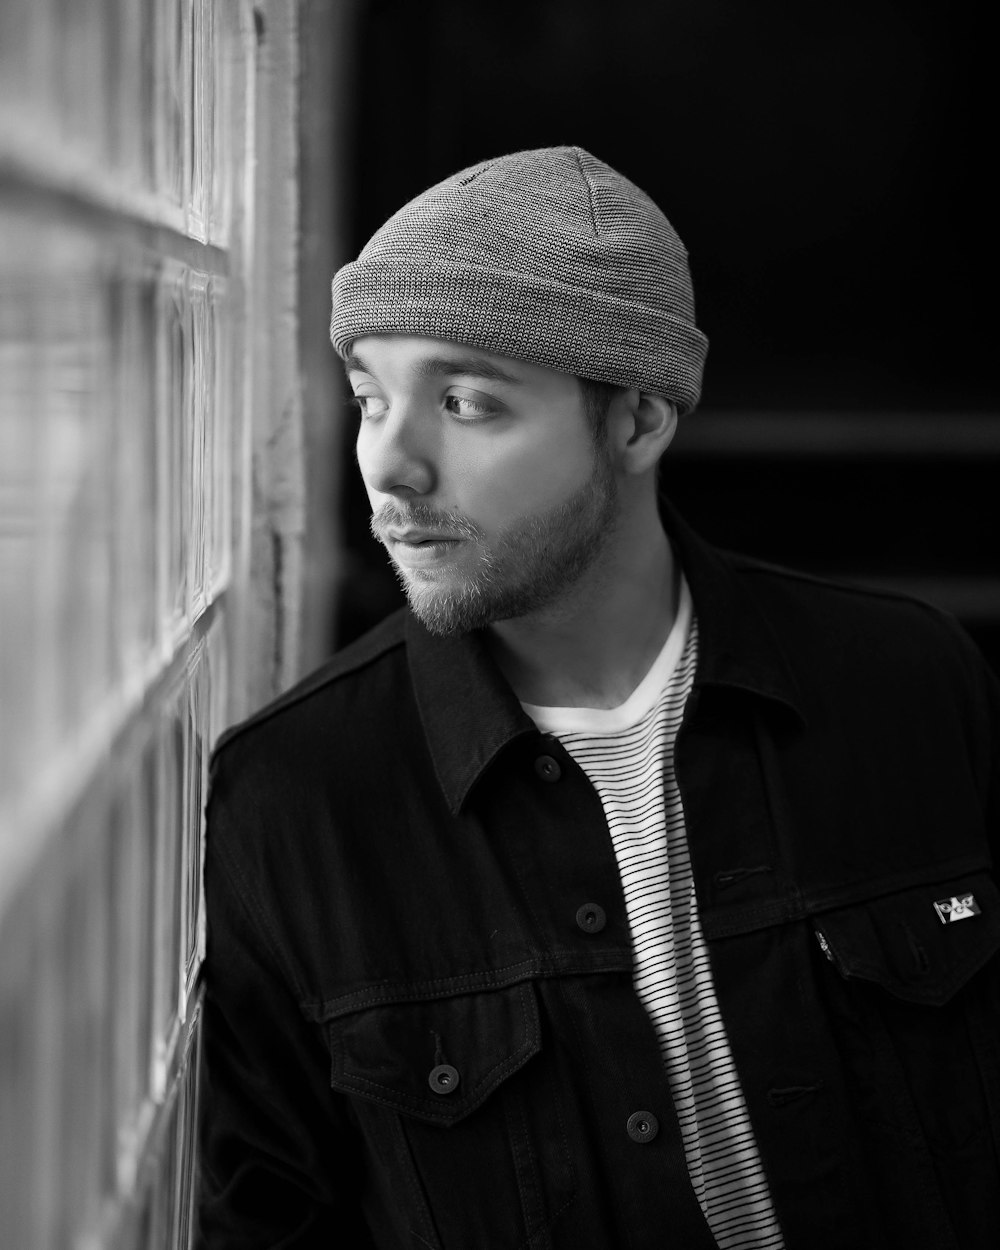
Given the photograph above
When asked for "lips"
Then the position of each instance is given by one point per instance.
(422, 551)
(415, 538)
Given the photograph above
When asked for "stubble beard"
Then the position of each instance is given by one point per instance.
(531, 567)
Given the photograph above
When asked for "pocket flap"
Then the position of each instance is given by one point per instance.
(436, 1059)
(921, 944)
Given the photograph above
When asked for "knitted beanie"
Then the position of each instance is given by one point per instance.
(546, 256)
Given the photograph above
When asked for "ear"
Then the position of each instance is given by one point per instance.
(643, 431)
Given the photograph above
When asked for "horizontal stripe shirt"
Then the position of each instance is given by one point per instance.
(628, 754)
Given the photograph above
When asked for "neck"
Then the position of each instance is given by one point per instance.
(594, 647)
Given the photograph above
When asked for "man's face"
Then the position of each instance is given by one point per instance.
(485, 482)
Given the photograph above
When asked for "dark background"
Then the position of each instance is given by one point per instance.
(828, 167)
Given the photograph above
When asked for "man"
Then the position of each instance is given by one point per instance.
(622, 892)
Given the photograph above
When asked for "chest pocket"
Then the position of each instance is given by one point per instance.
(922, 945)
(463, 1125)
(913, 984)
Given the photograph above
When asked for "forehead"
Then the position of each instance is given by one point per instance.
(417, 358)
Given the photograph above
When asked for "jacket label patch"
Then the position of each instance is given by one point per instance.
(958, 907)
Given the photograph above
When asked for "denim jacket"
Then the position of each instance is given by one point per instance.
(416, 1034)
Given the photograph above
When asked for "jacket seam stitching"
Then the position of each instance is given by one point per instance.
(491, 979)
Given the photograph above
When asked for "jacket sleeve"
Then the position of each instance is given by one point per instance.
(990, 685)
(279, 1160)
(983, 688)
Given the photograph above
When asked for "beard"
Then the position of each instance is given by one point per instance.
(528, 567)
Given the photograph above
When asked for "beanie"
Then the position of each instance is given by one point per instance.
(547, 256)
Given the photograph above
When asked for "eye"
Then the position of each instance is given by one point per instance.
(370, 405)
(467, 409)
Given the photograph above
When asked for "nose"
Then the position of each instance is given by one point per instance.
(396, 453)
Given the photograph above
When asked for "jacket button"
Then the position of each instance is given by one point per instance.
(547, 768)
(642, 1126)
(444, 1079)
(591, 917)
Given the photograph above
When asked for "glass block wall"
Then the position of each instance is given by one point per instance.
(125, 259)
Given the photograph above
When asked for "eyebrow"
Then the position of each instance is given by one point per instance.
(446, 366)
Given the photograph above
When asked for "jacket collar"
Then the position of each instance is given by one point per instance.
(470, 713)
(468, 710)
(737, 644)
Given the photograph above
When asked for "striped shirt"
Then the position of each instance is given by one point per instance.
(628, 754)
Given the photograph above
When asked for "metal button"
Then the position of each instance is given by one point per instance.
(547, 768)
(642, 1126)
(591, 917)
(444, 1079)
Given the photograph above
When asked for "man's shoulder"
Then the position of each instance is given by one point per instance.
(858, 623)
(833, 600)
(806, 612)
(374, 660)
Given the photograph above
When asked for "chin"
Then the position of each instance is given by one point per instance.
(447, 619)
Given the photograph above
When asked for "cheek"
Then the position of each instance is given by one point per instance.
(523, 477)
(362, 456)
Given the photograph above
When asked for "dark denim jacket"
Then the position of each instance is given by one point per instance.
(418, 1036)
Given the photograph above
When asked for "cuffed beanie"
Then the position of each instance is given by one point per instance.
(548, 256)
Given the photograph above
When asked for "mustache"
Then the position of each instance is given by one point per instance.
(416, 515)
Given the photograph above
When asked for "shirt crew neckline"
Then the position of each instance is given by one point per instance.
(600, 720)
